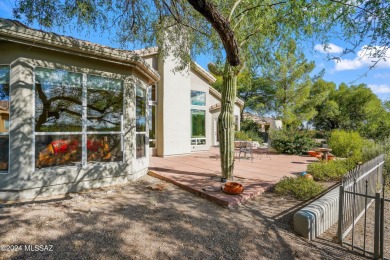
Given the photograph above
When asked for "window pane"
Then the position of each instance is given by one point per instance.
(140, 146)
(201, 141)
(198, 98)
(152, 122)
(152, 143)
(153, 93)
(57, 150)
(104, 103)
(140, 110)
(198, 123)
(4, 99)
(58, 105)
(104, 148)
(4, 147)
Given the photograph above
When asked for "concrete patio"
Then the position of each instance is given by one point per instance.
(200, 173)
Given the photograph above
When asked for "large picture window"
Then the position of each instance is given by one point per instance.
(140, 122)
(198, 118)
(4, 118)
(76, 122)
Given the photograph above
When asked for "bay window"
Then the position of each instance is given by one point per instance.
(78, 118)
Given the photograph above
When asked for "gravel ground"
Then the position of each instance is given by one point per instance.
(135, 222)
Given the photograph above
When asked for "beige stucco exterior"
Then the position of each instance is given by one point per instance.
(24, 49)
(174, 105)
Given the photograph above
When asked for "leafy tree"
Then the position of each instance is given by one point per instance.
(289, 73)
(255, 91)
(244, 29)
(353, 108)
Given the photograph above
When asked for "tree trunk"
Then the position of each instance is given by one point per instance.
(226, 121)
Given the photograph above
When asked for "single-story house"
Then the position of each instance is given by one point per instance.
(79, 115)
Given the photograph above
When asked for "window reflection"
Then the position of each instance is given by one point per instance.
(57, 150)
(140, 122)
(58, 101)
(4, 117)
(198, 123)
(140, 110)
(140, 146)
(104, 104)
(152, 126)
(4, 147)
(198, 98)
(104, 148)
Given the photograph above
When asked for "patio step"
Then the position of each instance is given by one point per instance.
(219, 197)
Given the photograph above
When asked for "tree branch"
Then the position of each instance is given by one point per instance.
(233, 9)
(177, 18)
(351, 5)
(223, 28)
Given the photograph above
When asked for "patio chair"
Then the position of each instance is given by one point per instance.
(246, 148)
(263, 151)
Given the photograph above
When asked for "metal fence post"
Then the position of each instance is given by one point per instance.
(341, 206)
(377, 225)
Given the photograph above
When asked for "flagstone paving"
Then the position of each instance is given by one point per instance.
(200, 173)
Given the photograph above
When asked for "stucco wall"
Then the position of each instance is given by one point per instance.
(174, 121)
(23, 180)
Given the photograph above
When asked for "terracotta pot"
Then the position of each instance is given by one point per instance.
(233, 188)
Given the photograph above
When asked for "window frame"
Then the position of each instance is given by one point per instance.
(84, 133)
(9, 121)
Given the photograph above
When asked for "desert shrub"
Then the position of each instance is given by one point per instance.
(240, 135)
(248, 125)
(346, 144)
(254, 136)
(373, 149)
(300, 188)
(291, 141)
(247, 136)
(331, 170)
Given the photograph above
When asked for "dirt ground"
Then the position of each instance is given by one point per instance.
(136, 222)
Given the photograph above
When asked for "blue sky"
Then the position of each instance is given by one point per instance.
(350, 68)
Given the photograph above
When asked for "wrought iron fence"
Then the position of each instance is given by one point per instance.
(360, 188)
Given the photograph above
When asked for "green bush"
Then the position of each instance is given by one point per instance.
(247, 136)
(331, 170)
(291, 141)
(300, 188)
(248, 125)
(346, 144)
(241, 135)
(373, 149)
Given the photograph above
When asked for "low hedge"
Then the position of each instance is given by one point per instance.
(300, 188)
(331, 170)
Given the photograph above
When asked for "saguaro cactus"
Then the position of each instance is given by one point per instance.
(226, 117)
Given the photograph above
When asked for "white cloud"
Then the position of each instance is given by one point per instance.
(328, 48)
(380, 89)
(366, 57)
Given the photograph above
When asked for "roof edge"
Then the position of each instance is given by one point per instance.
(17, 31)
